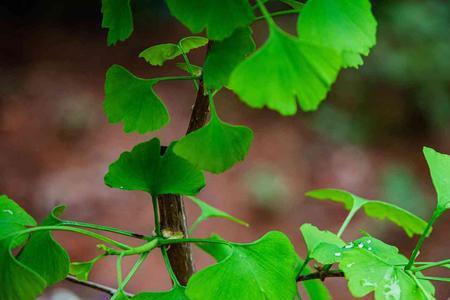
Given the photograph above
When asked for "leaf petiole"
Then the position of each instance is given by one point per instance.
(106, 229)
(429, 265)
(279, 13)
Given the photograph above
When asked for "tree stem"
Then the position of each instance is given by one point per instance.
(172, 213)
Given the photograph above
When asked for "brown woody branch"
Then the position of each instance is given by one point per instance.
(320, 275)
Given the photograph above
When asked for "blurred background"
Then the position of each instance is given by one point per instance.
(56, 144)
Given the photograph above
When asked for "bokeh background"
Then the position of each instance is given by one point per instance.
(56, 144)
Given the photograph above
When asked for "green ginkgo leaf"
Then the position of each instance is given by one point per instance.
(81, 270)
(219, 18)
(158, 54)
(217, 146)
(346, 26)
(314, 237)
(367, 272)
(131, 100)
(439, 165)
(411, 223)
(192, 42)
(265, 269)
(17, 280)
(13, 218)
(294, 4)
(224, 56)
(118, 18)
(144, 169)
(286, 71)
(209, 211)
(44, 255)
(177, 293)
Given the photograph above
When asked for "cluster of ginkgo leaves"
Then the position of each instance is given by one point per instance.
(285, 72)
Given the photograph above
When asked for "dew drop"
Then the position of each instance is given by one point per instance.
(348, 246)
(360, 245)
(337, 254)
(121, 187)
(8, 211)
(369, 241)
(370, 248)
(350, 265)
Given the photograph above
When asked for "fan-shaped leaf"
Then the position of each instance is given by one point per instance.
(158, 54)
(219, 18)
(284, 72)
(314, 237)
(118, 18)
(367, 272)
(224, 56)
(265, 269)
(13, 218)
(217, 250)
(215, 147)
(192, 42)
(411, 223)
(44, 255)
(439, 165)
(346, 26)
(132, 100)
(144, 169)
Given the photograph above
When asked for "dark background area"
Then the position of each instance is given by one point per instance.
(56, 144)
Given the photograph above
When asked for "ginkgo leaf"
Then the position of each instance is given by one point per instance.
(314, 237)
(294, 4)
(131, 100)
(219, 18)
(224, 56)
(367, 272)
(217, 146)
(327, 253)
(192, 42)
(44, 255)
(411, 223)
(346, 26)
(158, 54)
(13, 218)
(265, 269)
(439, 165)
(118, 18)
(144, 169)
(209, 211)
(17, 280)
(177, 293)
(286, 71)
(81, 270)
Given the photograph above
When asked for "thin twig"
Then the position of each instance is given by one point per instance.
(96, 286)
(321, 275)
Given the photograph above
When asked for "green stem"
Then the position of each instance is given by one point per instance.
(422, 238)
(305, 263)
(434, 278)
(171, 78)
(133, 271)
(432, 265)
(279, 13)
(106, 229)
(73, 229)
(189, 65)
(347, 220)
(119, 269)
(169, 267)
(265, 13)
(156, 216)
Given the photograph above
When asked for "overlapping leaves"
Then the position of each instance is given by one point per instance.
(439, 165)
(145, 169)
(219, 18)
(284, 73)
(42, 261)
(346, 26)
(265, 269)
(411, 223)
(177, 293)
(131, 100)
